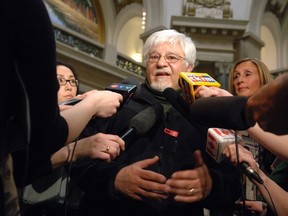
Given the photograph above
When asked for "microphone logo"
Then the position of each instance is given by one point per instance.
(217, 140)
(189, 80)
(121, 87)
(126, 90)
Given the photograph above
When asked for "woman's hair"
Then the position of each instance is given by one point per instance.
(171, 37)
(58, 63)
(264, 73)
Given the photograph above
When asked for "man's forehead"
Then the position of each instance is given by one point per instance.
(166, 47)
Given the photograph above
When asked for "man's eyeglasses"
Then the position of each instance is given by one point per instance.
(63, 81)
(169, 58)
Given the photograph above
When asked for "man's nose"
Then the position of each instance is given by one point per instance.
(162, 61)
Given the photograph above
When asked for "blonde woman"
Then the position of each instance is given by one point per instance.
(246, 77)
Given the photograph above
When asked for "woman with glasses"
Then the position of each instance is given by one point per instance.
(98, 146)
(68, 82)
(101, 146)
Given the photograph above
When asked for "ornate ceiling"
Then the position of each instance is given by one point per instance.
(278, 7)
(120, 4)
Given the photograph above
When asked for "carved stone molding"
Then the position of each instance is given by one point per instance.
(207, 8)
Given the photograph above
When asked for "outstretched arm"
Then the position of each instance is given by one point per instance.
(97, 103)
(269, 106)
(278, 195)
(278, 145)
(99, 146)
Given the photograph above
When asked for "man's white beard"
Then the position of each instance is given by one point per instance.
(159, 86)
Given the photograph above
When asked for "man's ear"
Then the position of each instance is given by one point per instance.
(190, 68)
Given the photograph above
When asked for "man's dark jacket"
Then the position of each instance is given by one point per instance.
(176, 153)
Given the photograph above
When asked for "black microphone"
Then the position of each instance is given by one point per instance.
(143, 121)
(252, 175)
(222, 112)
(133, 81)
(127, 88)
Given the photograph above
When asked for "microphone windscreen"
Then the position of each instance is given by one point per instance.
(176, 100)
(219, 112)
(144, 120)
(222, 112)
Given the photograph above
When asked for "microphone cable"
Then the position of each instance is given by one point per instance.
(68, 188)
(243, 197)
(272, 202)
(242, 185)
(28, 132)
(69, 163)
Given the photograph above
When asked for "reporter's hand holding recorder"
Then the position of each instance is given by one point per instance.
(96, 103)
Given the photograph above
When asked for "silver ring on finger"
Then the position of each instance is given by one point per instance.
(191, 191)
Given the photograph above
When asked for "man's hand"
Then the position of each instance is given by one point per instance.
(136, 182)
(191, 185)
